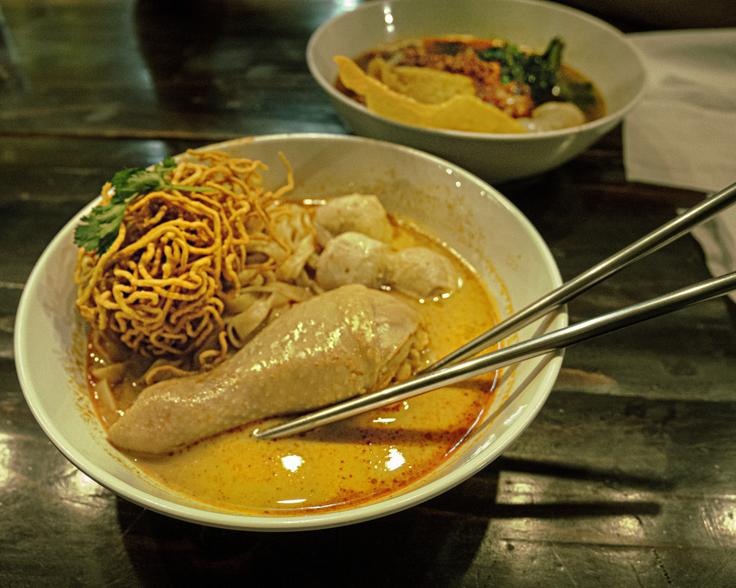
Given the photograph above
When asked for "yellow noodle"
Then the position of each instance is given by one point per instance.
(161, 287)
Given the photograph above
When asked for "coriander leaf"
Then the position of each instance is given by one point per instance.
(139, 183)
(120, 180)
(98, 230)
(131, 181)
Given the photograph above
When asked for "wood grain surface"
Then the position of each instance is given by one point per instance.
(626, 478)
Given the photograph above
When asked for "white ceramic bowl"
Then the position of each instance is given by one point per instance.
(457, 207)
(592, 47)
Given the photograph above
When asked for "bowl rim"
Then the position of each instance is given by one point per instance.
(608, 119)
(312, 521)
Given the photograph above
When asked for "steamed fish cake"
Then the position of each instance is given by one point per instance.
(355, 233)
(362, 213)
(353, 258)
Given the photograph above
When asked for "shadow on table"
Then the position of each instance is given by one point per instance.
(431, 544)
(412, 546)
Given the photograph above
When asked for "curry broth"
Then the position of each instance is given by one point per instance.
(349, 462)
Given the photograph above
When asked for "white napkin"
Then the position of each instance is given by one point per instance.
(683, 132)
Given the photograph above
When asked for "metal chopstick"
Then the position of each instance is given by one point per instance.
(655, 240)
(552, 341)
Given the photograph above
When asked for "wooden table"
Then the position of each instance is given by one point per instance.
(628, 475)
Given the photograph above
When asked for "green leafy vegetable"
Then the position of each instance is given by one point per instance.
(131, 181)
(542, 73)
(579, 93)
(99, 229)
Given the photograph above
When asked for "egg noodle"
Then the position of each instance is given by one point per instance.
(194, 274)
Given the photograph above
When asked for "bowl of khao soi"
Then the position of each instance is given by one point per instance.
(231, 287)
(507, 89)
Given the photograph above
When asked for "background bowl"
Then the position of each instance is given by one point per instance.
(457, 207)
(592, 47)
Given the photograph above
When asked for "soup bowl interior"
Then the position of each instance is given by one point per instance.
(592, 47)
(464, 212)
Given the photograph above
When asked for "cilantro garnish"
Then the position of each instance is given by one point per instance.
(99, 229)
